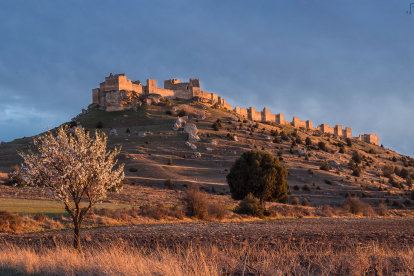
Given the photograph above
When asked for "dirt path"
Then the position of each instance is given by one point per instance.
(336, 231)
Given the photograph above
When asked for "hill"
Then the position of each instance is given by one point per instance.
(146, 158)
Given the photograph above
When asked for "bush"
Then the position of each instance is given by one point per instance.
(356, 172)
(382, 209)
(322, 145)
(250, 206)
(40, 217)
(169, 163)
(169, 183)
(295, 201)
(305, 202)
(324, 167)
(310, 171)
(319, 188)
(348, 142)
(298, 140)
(127, 130)
(195, 202)
(306, 188)
(327, 181)
(308, 141)
(341, 150)
(354, 206)
(296, 188)
(133, 169)
(99, 124)
(169, 112)
(10, 222)
(182, 113)
(217, 210)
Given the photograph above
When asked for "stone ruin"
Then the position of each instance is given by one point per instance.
(119, 93)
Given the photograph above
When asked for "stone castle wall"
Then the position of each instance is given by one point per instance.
(119, 93)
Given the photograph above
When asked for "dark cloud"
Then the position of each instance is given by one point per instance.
(348, 63)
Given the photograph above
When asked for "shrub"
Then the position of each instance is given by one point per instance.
(296, 188)
(295, 201)
(306, 188)
(354, 206)
(298, 140)
(99, 124)
(356, 172)
(341, 150)
(250, 206)
(293, 143)
(185, 156)
(322, 145)
(348, 142)
(169, 163)
(40, 217)
(133, 169)
(308, 141)
(356, 158)
(397, 171)
(305, 202)
(217, 210)
(327, 181)
(276, 140)
(182, 113)
(404, 173)
(169, 112)
(382, 209)
(319, 188)
(409, 182)
(195, 202)
(284, 136)
(324, 167)
(127, 130)
(310, 171)
(394, 159)
(169, 183)
(10, 221)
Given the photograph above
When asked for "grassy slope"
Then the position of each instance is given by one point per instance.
(150, 154)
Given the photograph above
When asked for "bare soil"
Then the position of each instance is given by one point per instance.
(337, 232)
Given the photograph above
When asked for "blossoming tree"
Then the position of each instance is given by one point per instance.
(75, 169)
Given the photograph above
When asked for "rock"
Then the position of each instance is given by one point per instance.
(196, 155)
(113, 132)
(301, 152)
(188, 143)
(155, 98)
(148, 132)
(193, 147)
(245, 132)
(235, 138)
(184, 118)
(213, 142)
(148, 101)
(176, 127)
(193, 137)
(125, 116)
(190, 128)
(200, 116)
(234, 119)
(179, 122)
(141, 134)
(2, 143)
(267, 137)
(209, 149)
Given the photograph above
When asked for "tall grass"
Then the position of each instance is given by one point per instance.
(282, 259)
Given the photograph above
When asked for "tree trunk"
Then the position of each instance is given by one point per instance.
(262, 203)
(76, 237)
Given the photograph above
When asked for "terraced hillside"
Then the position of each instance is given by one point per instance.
(149, 155)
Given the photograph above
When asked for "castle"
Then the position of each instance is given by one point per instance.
(119, 93)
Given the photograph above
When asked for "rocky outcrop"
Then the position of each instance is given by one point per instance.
(120, 100)
(190, 128)
(113, 132)
(193, 138)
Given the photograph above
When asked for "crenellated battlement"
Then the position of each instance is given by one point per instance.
(117, 92)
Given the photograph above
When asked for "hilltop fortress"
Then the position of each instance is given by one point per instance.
(119, 93)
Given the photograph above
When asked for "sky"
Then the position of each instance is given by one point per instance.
(348, 63)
